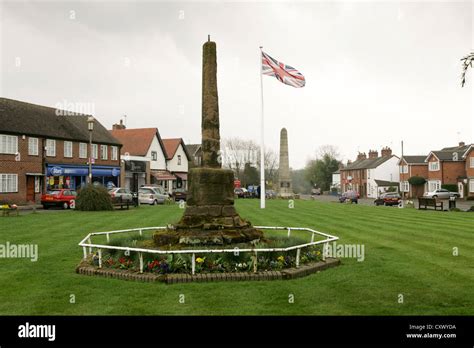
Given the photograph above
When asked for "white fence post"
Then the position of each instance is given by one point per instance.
(289, 232)
(325, 250)
(312, 237)
(85, 252)
(108, 238)
(140, 255)
(100, 258)
(90, 248)
(140, 231)
(255, 262)
(298, 252)
(193, 264)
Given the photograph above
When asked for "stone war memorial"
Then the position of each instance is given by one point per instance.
(211, 241)
(210, 216)
(285, 188)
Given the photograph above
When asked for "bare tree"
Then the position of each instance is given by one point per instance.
(467, 62)
(327, 149)
(237, 152)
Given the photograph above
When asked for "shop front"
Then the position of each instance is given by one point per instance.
(135, 175)
(60, 176)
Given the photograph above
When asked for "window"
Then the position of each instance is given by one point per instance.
(8, 144)
(404, 169)
(434, 185)
(404, 186)
(471, 164)
(33, 146)
(114, 154)
(8, 183)
(68, 149)
(95, 151)
(434, 166)
(368, 173)
(179, 160)
(471, 185)
(82, 150)
(103, 152)
(154, 156)
(50, 147)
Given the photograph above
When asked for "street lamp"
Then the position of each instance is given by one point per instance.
(90, 127)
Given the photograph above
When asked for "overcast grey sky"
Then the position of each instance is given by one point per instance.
(376, 72)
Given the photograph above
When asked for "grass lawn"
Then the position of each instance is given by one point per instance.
(407, 252)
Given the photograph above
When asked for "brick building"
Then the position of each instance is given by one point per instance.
(447, 167)
(411, 166)
(44, 148)
(468, 156)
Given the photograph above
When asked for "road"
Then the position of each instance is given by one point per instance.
(463, 205)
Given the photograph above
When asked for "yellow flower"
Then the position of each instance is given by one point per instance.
(281, 258)
(318, 253)
(200, 260)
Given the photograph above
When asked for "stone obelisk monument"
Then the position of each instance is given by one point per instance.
(210, 216)
(285, 188)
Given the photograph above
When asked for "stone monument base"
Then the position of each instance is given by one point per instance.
(210, 217)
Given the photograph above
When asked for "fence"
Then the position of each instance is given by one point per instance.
(86, 243)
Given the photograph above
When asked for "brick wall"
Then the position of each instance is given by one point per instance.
(452, 171)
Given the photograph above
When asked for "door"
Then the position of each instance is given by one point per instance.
(30, 188)
(461, 189)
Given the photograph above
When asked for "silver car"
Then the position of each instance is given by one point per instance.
(441, 193)
(152, 195)
(122, 194)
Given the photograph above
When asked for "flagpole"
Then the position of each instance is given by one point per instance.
(262, 140)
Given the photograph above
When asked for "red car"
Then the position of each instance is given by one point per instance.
(64, 198)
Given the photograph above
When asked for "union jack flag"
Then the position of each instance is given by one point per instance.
(283, 73)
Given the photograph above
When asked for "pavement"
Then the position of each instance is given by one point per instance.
(463, 205)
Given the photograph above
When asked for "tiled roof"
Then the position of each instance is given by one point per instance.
(193, 148)
(136, 142)
(368, 163)
(171, 146)
(19, 117)
(448, 155)
(414, 159)
(384, 183)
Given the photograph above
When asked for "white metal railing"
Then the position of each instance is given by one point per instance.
(89, 245)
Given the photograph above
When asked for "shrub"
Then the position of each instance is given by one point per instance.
(450, 187)
(93, 198)
(416, 180)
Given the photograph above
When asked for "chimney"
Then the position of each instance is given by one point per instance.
(373, 154)
(386, 152)
(349, 162)
(462, 143)
(361, 156)
(118, 126)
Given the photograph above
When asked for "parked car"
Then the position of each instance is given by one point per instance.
(241, 192)
(64, 198)
(119, 193)
(441, 193)
(270, 194)
(179, 194)
(389, 198)
(152, 195)
(353, 196)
